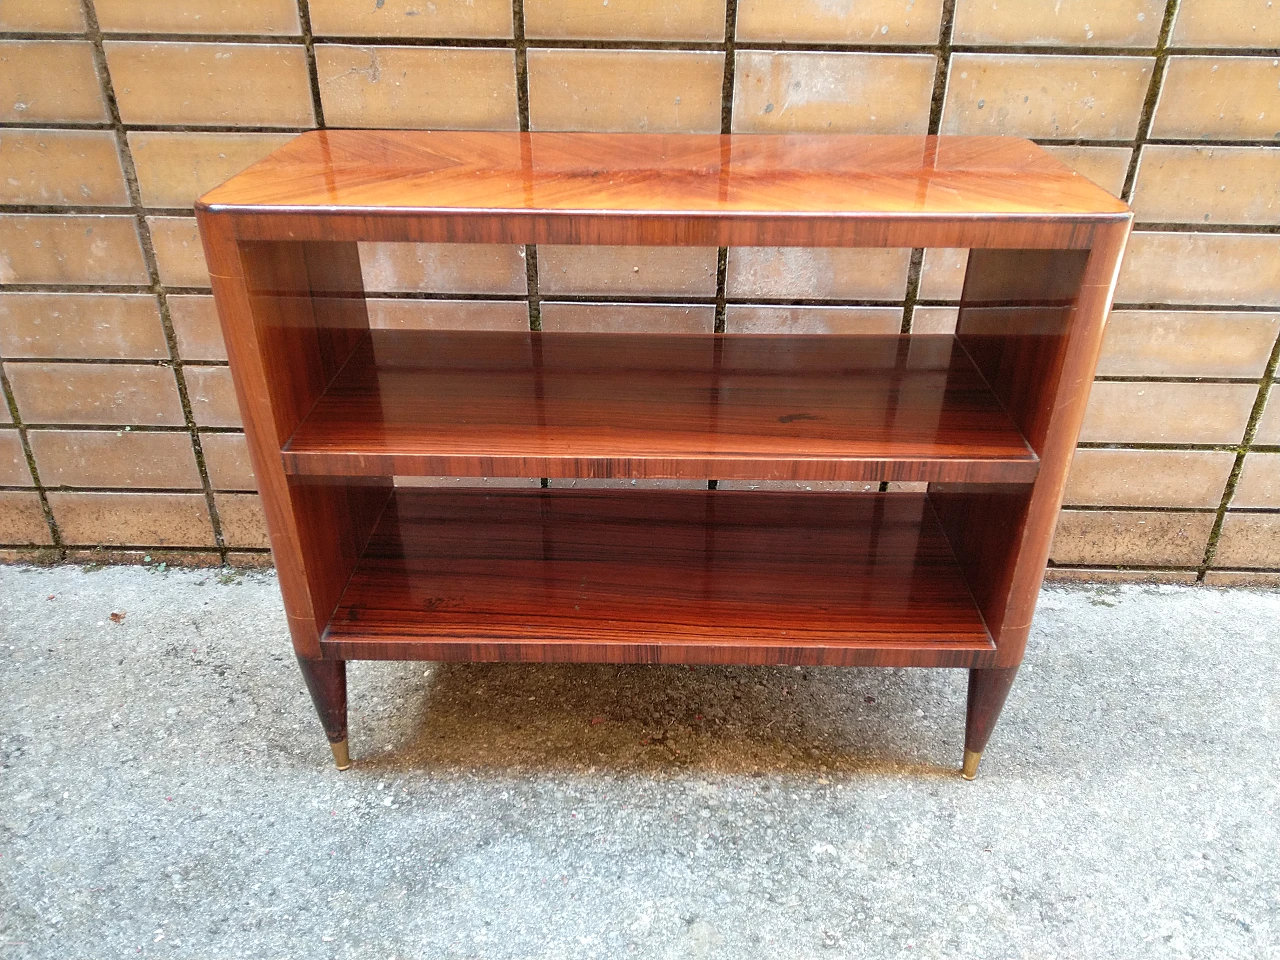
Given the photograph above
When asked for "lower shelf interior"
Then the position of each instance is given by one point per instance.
(637, 576)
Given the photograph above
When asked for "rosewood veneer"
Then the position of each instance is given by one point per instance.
(988, 417)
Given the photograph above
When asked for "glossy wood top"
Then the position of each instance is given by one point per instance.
(591, 187)
(343, 170)
(649, 405)
(659, 576)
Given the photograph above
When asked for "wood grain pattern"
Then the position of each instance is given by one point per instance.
(1034, 322)
(646, 405)
(1016, 317)
(659, 577)
(290, 315)
(989, 417)
(326, 681)
(988, 690)
(708, 190)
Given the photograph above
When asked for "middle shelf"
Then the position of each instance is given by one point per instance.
(752, 407)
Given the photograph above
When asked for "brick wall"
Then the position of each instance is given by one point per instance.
(119, 434)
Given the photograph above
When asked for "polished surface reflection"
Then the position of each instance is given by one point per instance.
(655, 576)
(673, 173)
(649, 405)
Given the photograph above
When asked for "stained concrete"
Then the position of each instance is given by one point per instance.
(166, 792)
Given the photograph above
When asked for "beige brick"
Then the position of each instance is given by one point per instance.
(861, 320)
(247, 560)
(482, 19)
(1268, 431)
(198, 16)
(157, 558)
(109, 394)
(591, 483)
(1249, 540)
(1230, 578)
(800, 486)
(212, 396)
(1148, 478)
(39, 248)
(179, 253)
(14, 471)
(1131, 538)
(819, 21)
(624, 20)
(801, 92)
(1158, 343)
(634, 271)
(639, 91)
(41, 16)
(1105, 166)
(1208, 184)
(61, 167)
(79, 326)
(243, 523)
(26, 93)
(1046, 96)
(1104, 575)
(22, 518)
(1091, 23)
(226, 457)
(842, 273)
(1259, 484)
(1229, 98)
(934, 320)
(502, 482)
(133, 519)
(942, 273)
(104, 458)
(627, 318)
(195, 324)
(222, 84)
(1227, 23)
(1210, 268)
(443, 267)
(175, 168)
(447, 88)
(1168, 412)
(448, 314)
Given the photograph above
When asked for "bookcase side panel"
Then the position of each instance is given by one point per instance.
(251, 372)
(1033, 323)
(1016, 321)
(338, 304)
(291, 315)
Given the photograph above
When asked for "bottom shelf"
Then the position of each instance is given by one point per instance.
(664, 576)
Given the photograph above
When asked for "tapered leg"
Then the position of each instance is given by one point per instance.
(327, 682)
(987, 692)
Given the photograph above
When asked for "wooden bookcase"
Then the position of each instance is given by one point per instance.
(988, 417)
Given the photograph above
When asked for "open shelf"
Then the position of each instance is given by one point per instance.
(660, 406)
(662, 576)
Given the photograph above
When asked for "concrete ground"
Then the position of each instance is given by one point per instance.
(166, 791)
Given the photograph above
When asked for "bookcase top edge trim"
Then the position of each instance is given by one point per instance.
(775, 184)
(657, 228)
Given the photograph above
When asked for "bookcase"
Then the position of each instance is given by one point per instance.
(987, 417)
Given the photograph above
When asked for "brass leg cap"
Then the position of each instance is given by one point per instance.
(970, 768)
(340, 755)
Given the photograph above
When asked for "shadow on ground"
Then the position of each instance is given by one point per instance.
(649, 719)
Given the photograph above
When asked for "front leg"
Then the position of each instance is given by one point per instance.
(327, 682)
(987, 692)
